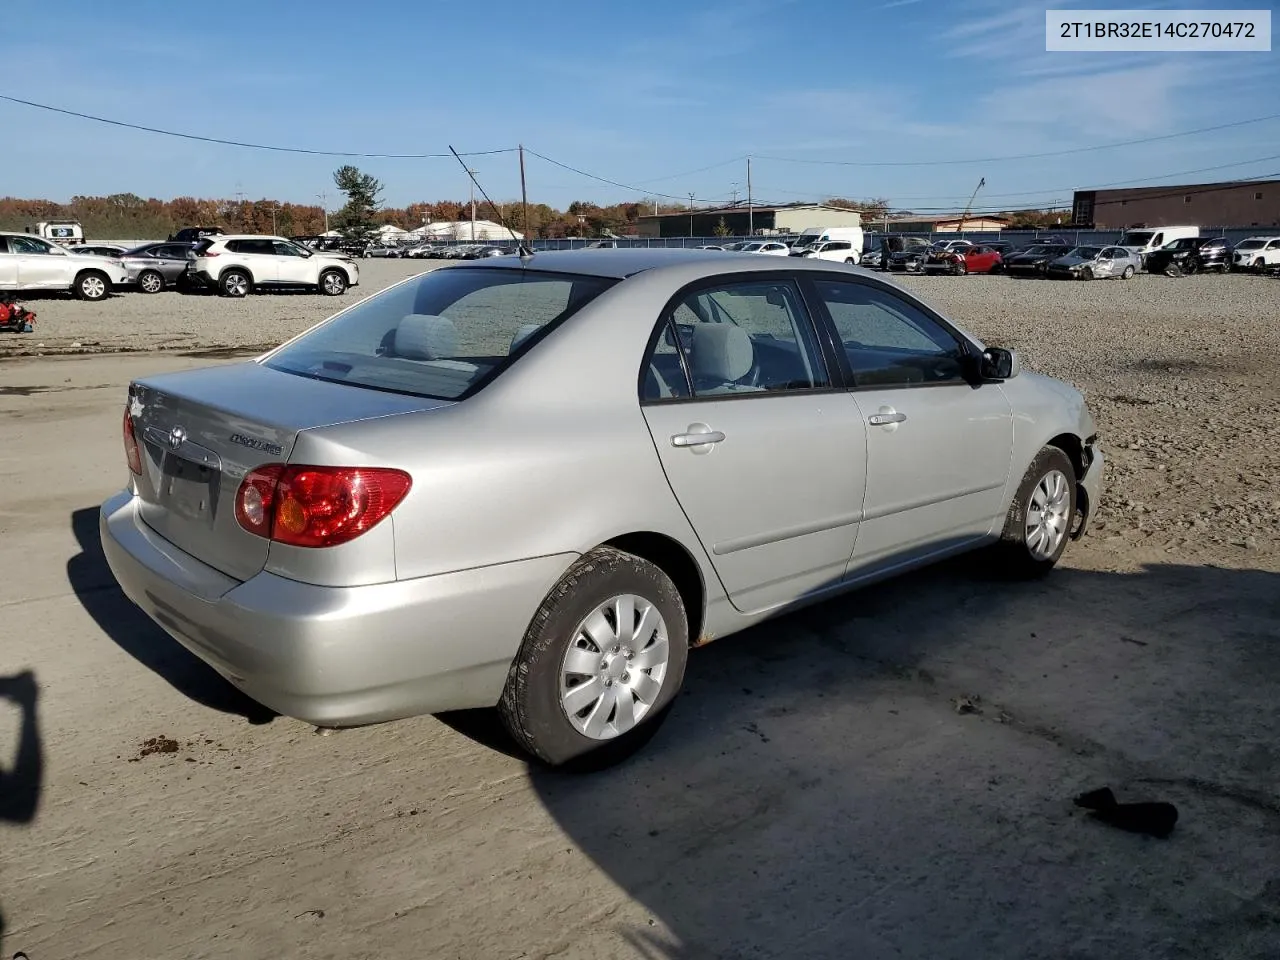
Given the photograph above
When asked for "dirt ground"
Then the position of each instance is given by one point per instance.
(886, 775)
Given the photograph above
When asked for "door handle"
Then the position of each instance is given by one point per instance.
(696, 439)
(884, 419)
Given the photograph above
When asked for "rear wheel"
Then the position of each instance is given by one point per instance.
(600, 664)
(235, 283)
(1086, 273)
(850, 261)
(1040, 517)
(92, 285)
(1128, 272)
(150, 281)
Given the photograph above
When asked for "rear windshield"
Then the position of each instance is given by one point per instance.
(442, 335)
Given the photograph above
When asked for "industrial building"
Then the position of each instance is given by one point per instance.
(1236, 203)
(948, 223)
(741, 220)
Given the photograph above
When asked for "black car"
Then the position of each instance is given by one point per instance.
(907, 254)
(1034, 260)
(192, 234)
(1190, 255)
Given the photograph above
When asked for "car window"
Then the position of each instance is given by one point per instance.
(282, 248)
(443, 334)
(28, 245)
(4, 244)
(735, 338)
(888, 340)
(1274, 245)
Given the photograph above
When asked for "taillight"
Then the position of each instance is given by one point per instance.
(207, 253)
(132, 453)
(306, 506)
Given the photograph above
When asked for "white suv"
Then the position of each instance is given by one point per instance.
(31, 263)
(1257, 252)
(236, 263)
(840, 251)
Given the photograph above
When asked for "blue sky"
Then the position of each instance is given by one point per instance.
(644, 94)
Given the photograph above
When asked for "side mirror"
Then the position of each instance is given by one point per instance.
(999, 364)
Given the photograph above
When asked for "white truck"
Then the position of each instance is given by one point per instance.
(1144, 241)
(65, 232)
(841, 244)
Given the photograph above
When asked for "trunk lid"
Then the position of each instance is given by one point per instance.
(200, 431)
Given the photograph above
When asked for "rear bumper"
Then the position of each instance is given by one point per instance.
(335, 656)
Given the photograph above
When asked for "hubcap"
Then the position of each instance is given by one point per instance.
(1048, 514)
(151, 283)
(238, 285)
(332, 283)
(93, 287)
(613, 670)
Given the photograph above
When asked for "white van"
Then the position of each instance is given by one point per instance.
(837, 243)
(1144, 241)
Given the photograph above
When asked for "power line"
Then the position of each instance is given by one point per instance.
(253, 146)
(615, 183)
(1021, 156)
(689, 173)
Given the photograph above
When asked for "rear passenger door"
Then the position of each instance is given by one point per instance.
(8, 266)
(762, 446)
(938, 447)
(259, 256)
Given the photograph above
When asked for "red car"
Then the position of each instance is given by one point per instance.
(978, 258)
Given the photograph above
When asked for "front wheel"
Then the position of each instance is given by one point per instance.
(150, 281)
(1041, 516)
(333, 283)
(850, 261)
(600, 664)
(92, 285)
(1086, 274)
(1128, 273)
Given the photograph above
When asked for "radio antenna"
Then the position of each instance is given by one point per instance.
(525, 251)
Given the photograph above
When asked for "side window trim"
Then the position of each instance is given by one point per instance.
(818, 327)
(831, 333)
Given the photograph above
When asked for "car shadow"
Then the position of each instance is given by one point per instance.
(890, 774)
(22, 780)
(135, 633)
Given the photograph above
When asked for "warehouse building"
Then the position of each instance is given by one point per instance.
(1236, 203)
(741, 221)
(949, 223)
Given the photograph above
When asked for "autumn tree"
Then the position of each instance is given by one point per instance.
(722, 228)
(364, 193)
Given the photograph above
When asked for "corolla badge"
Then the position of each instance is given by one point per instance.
(177, 436)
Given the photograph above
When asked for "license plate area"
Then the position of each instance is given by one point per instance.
(188, 489)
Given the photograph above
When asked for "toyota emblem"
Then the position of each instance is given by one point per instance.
(176, 436)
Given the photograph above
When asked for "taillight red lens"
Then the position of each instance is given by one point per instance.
(132, 453)
(306, 506)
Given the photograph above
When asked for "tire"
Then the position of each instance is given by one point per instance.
(235, 283)
(1191, 268)
(532, 707)
(1023, 551)
(1259, 264)
(960, 269)
(850, 261)
(1086, 273)
(1128, 273)
(92, 285)
(333, 283)
(150, 281)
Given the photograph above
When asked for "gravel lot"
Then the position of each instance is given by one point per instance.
(888, 775)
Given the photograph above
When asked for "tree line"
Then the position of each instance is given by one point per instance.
(126, 215)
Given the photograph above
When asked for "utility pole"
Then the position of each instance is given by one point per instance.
(751, 219)
(324, 205)
(691, 214)
(734, 186)
(524, 199)
(472, 173)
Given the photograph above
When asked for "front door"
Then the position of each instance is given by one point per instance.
(938, 447)
(763, 450)
(40, 263)
(8, 266)
(292, 264)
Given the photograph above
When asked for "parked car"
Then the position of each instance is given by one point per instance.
(256, 523)
(769, 248)
(154, 266)
(491, 251)
(1144, 242)
(1256, 253)
(1034, 260)
(32, 263)
(1191, 255)
(195, 234)
(709, 246)
(909, 259)
(837, 251)
(1006, 249)
(1090, 263)
(975, 258)
(235, 264)
(951, 244)
(382, 250)
(109, 250)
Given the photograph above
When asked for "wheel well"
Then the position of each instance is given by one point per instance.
(1070, 444)
(674, 560)
(91, 270)
(245, 270)
(346, 275)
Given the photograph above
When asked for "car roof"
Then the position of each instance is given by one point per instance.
(619, 263)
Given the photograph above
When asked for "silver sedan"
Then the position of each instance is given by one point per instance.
(1096, 263)
(535, 483)
(154, 266)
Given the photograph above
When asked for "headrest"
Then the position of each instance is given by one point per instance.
(721, 351)
(526, 331)
(421, 336)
